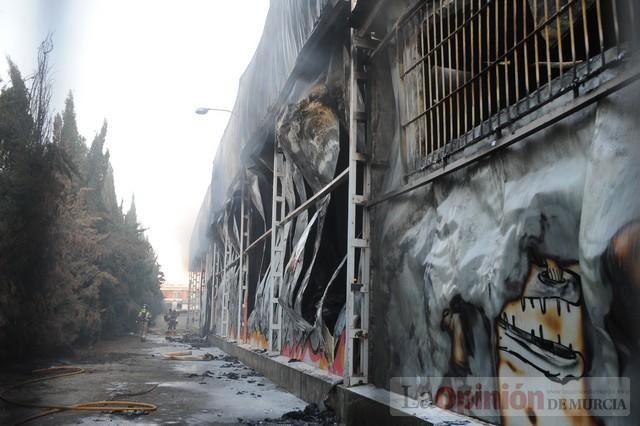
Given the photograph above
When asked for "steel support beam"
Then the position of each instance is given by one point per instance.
(243, 270)
(189, 305)
(214, 286)
(278, 249)
(224, 311)
(358, 237)
(193, 299)
(201, 295)
(331, 186)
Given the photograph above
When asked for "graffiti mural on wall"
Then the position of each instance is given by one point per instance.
(323, 345)
(320, 344)
(542, 238)
(459, 321)
(621, 266)
(320, 348)
(539, 334)
(542, 331)
(542, 334)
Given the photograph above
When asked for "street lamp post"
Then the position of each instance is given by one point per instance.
(203, 111)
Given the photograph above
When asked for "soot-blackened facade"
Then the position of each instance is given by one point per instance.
(436, 189)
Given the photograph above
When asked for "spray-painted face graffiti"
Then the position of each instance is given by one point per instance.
(456, 322)
(623, 255)
(469, 332)
(541, 334)
(621, 268)
(543, 329)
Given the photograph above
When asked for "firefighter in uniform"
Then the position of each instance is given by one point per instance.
(143, 320)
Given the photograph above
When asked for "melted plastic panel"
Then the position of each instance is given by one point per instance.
(520, 264)
(259, 257)
(309, 134)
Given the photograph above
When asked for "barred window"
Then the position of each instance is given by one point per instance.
(471, 67)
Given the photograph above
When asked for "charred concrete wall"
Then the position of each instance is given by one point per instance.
(518, 265)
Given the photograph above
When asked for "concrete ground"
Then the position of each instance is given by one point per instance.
(188, 392)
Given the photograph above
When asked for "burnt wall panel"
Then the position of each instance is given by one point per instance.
(519, 265)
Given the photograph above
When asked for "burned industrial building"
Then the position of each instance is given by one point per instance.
(432, 189)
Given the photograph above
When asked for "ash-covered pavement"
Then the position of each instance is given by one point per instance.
(220, 390)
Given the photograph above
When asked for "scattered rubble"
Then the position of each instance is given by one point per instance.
(231, 375)
(124, 369)
(194, 340)
(229, 358)
(312, 415)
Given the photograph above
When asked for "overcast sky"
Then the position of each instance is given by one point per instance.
(145, 66)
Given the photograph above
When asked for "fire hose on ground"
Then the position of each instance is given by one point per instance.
(101, 406)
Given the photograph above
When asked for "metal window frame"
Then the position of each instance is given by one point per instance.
(494, 85)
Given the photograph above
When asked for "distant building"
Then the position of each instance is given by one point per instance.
(175, 296)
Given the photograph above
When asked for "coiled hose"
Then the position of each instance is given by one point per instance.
(57, 372)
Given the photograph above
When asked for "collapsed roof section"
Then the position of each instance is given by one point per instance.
(290, 29)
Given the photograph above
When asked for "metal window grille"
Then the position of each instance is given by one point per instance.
(471, 67)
